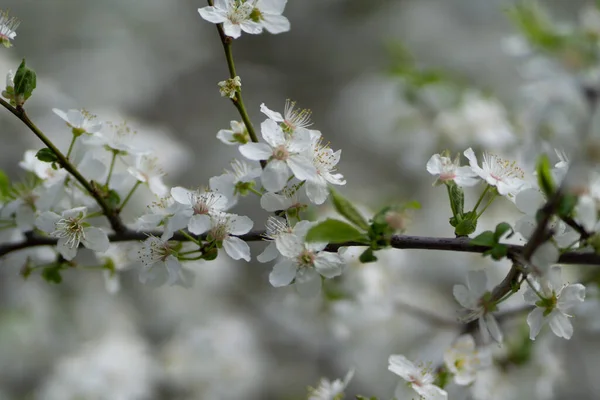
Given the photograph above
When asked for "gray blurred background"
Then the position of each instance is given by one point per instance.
(156, 63)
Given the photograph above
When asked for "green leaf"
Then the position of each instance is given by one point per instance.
(46, 155)
(25, 82)
(52, 274)
(333, 231)
(498, 252)
(4, 186)
(466, 227)
(113, 198)
(544, 173)
(457, 199)
(567, 204)
(501, 229)
(347, 210)
(367, 256)
(487, 238)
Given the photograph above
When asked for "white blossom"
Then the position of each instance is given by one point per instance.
(284, 153)
(293, 118)
(80, 121)
(303, 261)
(419, 378)
(71, 229)
(558, 298)
(505, 175)
(168, 213)
(146, 170)
(234, 15)
(156, 255)
(117, 138)
(447, 170)
(268, 13)
(8, 28)
(325, 160)
(224, 226)
(238, 134)
(239, 180)
(204, 205)
(275, 227)
(464, 360)
(330, 390)
(471, 297)
(230, 87)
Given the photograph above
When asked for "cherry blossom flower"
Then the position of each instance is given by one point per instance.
(238, 134)
(80, 121)
(168, 213)
(224, 226)
(275, 227)
(419, 378)
(204, 205)
(464, 360)
(303, 261)
(237, 181)
(146, 170)
(472, 298)
(506, 176)
(557, 299)
(447, 170)
(117, 138)
(293, 119)
(234, 15)
(324, 159)
(71, 229)
(330, 390)
(8, 28)
(230, 87)
(268, 14)
(287, 200)
(157, 254)
(284, 153)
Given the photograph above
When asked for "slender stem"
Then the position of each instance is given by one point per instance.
(122, 206)
(487, 205)
(256, 192)
(113, 218)
(189, 237)
(451, 202)
(481, 197)
(71, 146)
(534, 289)
(112, 166)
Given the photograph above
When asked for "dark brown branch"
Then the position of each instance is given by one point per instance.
(397, 242)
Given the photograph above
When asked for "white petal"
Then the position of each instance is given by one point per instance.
(273, 202)
(240, 224)
(272, 133)
(477, 282)
(493, 328)
(275, 175)
(173, 266)
(95, 239)
(212, 14)
(236, 248)
(535, 320)
(251, 27)
(271, 6)
(232, 30)
(226, 136)
(275, 116)
(434, 165)
(328, 264)
(289, 245)
(586, 213)
(157, 186)
(61, 114)
(560, 324)
(269, 254)
(570, 296)
(199, 224)
(302, 167)
(316, 190)
(275, 23)
(430, 392)
(308, 282)
(65, 250)
(182, 195)
(283, 273)
(47, 221)
(256, 151)
(402, 367)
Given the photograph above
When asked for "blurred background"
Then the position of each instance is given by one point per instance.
(155, 64)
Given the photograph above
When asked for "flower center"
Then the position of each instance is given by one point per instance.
(70, 228)
(306, 258)
(281, 153)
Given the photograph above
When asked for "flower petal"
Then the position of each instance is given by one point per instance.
(236, 248)
(283, 273)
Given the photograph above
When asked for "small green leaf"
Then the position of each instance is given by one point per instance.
(501, 229)
(25, 82)
(457, 199)
(4, 186)
(52, 274)
(486, 238)
(113, 198)
(465, 227)
(566, 205)
(333, 231)
(498, 252)
(367, 256)
(544, 173)
(46, 155)
(347, 210)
